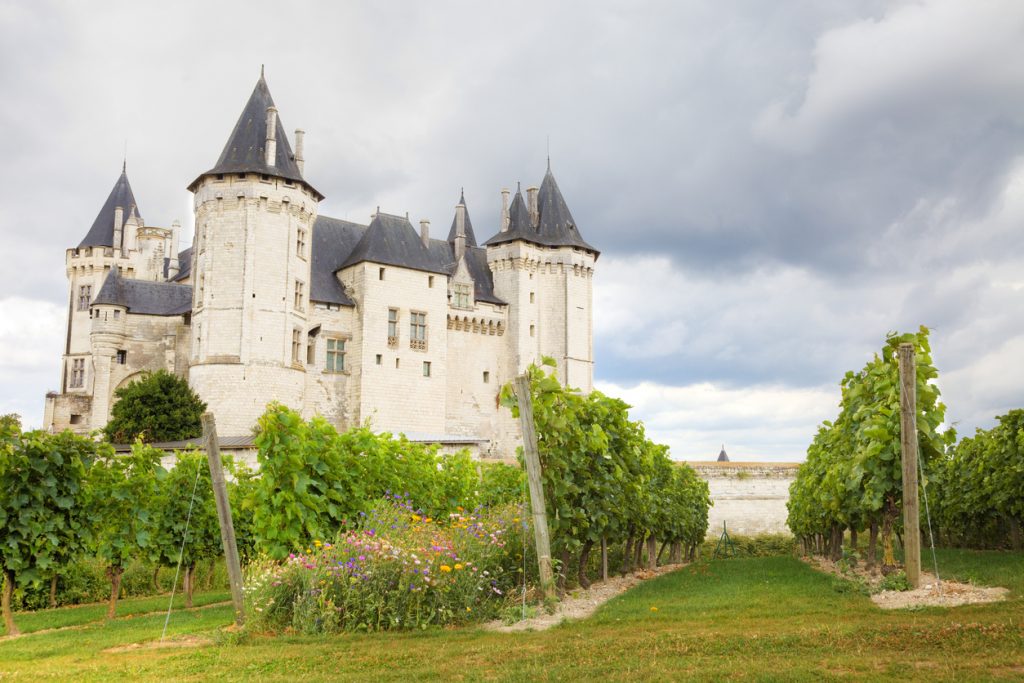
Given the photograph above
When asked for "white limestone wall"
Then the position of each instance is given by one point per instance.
(750, 498)
(395, 395)
(244, 306)
(330, 394)
(476, 344)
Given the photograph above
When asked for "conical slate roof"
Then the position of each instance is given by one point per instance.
(556, 227)
(722, 457)
(101, 234)
(470, 235)
(246, 149)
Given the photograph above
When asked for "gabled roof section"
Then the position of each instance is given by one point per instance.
(184, 265)
(557, 227)
(143, 297)
(246, 149)
(101, 234)
(470, 235)
(391, 240)
(332, 243)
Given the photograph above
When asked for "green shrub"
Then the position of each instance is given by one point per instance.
(896, 581)
(767, 545)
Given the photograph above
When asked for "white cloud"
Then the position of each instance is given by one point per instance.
(31, 343)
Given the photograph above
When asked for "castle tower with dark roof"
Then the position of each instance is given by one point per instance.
(254, 216)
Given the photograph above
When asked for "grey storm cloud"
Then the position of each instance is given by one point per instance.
(798, 178)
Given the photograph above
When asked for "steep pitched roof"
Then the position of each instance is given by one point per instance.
(101, 234)
(723, 457)
(184, 265)
(144, 297)
(556, 226)
(391, 240)
(335, 241)
(245, 151)
(470, 235)
(332, 243)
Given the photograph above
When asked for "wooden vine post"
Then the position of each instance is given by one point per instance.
(531, 455)
(227, 527)
(908, 445)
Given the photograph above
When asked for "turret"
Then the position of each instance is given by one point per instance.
(251, 303)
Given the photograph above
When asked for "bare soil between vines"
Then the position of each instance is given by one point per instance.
(581, 603)
(932, 593)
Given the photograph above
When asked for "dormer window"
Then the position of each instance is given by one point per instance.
(462, 295)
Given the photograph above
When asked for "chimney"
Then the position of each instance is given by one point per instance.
(504, 209)
(173, 267)
(425, 231)
(118, 227)
(460, 232)
(300, 160)
(271, 155)
(531, 203)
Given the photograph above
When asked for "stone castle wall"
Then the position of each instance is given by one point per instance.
(749, 497)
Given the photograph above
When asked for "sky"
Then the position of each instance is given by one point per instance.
(773, 186)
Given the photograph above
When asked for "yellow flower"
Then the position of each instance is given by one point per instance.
(317, 543)
(469, 609)
(445, 568)
(458, 566)
(654, 609)
(460, 508)
(416, 518)
(427, 519)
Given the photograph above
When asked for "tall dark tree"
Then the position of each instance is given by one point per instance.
(159, 407)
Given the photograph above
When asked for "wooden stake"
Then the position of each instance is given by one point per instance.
(227, 528)
(908, 444)
(533, 475)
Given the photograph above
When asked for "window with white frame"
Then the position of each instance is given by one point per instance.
(300, 242)
(335, 355)
(77, 373)
(296, 345)
(300, 289)
(462, 296)
(84, 297)
(418, 330)
(426, 368)
(392, 327)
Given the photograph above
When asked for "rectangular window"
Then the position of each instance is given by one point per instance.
(426, 368)
(84, 297)
(392, 327)
(122, 357)
(532, 330)
(202, 290)
(418, 330)
(117, 314)
(397, 363)
(299, 295)
(487, 377)
(335, 355)
(311, 351)
(380, 359)
(77, 373)
(462, 296)
(380, 274)
(531, 297)
(296, 345)
(300, 243)
(76, 419)
(430, 281)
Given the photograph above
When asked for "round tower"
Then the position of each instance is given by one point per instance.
(254, 217)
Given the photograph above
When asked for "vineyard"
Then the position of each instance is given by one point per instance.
(852, 478)
(354, 530)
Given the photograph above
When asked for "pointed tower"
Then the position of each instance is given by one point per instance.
(254, 214)
(544, 268)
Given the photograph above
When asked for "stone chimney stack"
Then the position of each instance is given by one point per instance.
(425, 231)
(504, 209)
(300, 160)
(531, 204)
(460, 232)
(118, 227)
(173, 267)
(271, 155)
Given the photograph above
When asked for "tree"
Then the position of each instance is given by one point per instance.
(158, 407)
(41, 478)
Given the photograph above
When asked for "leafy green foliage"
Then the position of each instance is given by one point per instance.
(980, 497)
(853, 473)
(312, 479)
(170, 514)
(603, 479)
(158, 407)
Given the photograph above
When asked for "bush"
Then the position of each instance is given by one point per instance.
(395, 569)
(767, 545)
(159, 407)
(896, 581)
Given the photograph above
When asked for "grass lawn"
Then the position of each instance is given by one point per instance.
(755, 619)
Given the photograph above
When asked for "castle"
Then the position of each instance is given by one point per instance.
(274, 302)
